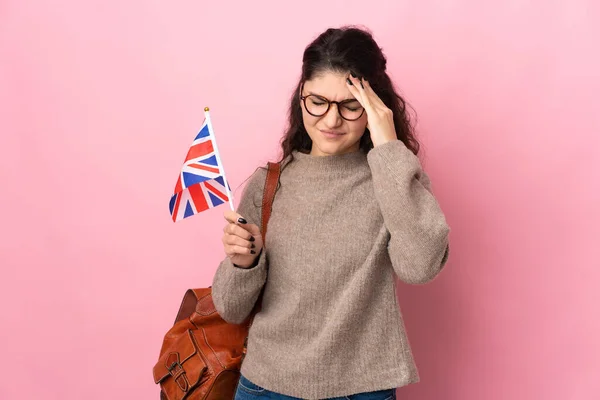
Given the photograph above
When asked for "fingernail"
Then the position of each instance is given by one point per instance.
(242, 220)
(353, 74)
(253, 246)
(252, 252)
(349, 81)
(252, 239)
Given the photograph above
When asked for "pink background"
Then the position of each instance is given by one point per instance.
(100, 100)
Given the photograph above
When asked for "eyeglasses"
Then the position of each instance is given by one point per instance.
(317, 106)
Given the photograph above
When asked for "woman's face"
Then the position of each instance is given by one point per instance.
(330, 133)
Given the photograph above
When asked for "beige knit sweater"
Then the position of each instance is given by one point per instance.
(341, 229)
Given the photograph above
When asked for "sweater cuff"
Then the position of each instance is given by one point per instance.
(258, 264)
(254, 265)
(235, 290)
(395, 158)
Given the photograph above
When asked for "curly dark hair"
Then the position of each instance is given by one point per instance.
(344, 50)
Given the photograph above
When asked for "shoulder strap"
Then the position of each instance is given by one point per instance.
(188, 304)
(273, 173)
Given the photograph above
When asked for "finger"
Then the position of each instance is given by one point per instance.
(375, 100)
(239, 231)
(369, 95)
(253, 229)
(356, 79)
(234, 218)
(360, 89)
(232, 240)
(354, 90)
(239, 250)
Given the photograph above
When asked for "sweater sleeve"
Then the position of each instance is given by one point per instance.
(418, 244)
(235, 290)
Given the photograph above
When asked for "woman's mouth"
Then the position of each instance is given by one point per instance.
(331, 134)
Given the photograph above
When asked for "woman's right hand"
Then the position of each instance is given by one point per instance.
(242, 241)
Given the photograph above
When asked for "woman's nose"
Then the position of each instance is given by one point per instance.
(333, 118)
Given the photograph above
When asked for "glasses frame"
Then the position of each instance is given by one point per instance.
(329, 103)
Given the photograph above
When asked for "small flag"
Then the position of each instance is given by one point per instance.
(202, 183)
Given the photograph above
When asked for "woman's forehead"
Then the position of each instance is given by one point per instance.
(331, 85)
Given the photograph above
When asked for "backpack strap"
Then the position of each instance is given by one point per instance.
(188, 304)
(273, 173)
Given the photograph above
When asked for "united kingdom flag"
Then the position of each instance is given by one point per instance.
(201, 184)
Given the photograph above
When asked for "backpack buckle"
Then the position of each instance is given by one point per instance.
(177, 372)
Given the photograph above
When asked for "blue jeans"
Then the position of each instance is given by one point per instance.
(247, 390)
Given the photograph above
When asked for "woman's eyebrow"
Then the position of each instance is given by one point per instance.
(320, 95)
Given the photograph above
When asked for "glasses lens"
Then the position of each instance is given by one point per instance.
(351, 110)
(316, 105)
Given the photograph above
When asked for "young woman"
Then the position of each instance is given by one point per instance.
(354, 209)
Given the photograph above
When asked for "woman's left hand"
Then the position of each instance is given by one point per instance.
(380, 119)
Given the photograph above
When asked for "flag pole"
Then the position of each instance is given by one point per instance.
(229, 196)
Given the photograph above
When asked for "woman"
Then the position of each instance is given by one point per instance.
(353, 210)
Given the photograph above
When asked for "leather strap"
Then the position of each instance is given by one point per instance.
(188, 304)
(273, 173)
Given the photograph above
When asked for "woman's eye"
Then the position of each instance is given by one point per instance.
(352, 108)
(317, 103)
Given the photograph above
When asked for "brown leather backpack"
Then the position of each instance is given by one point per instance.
(201, 354)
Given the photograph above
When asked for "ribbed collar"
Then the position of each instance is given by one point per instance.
(343, 163)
